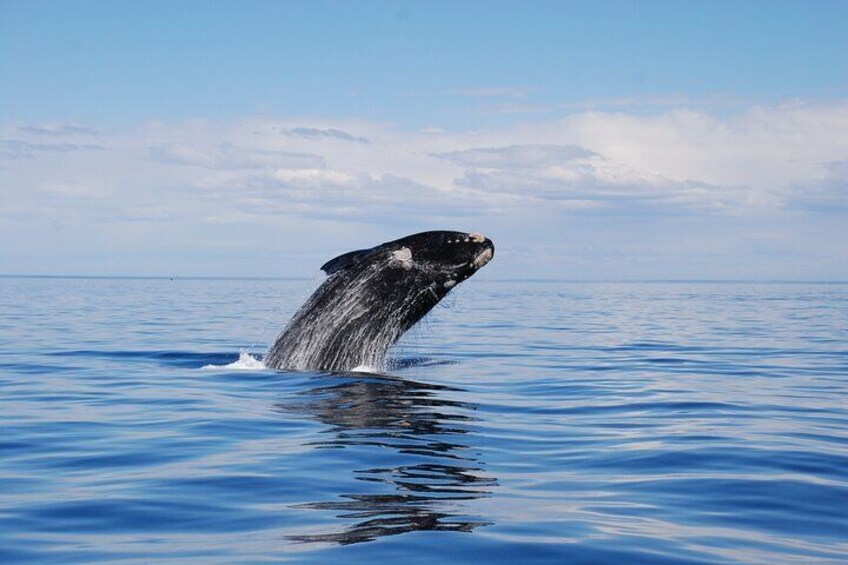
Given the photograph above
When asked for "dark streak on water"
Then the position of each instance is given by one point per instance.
(530, 422)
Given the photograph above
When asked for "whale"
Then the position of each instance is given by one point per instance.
(371, 297)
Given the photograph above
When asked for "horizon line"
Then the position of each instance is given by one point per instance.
(511, 279)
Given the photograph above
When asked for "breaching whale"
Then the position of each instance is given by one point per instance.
(372, 296)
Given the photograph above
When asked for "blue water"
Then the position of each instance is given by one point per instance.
(523, 422)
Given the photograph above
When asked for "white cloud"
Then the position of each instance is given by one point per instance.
(228, 156)
(11, 149)
(765, 148)
(518, 157)
(324, 133)
(765, 162)
(57, 129)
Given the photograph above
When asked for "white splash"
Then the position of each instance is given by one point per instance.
(365, 369)
(245, 362)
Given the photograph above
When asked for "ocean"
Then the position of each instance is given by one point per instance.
(520, 422)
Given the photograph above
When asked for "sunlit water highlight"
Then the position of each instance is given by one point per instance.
(525, 422)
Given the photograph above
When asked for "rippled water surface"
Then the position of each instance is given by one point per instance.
(523, 422)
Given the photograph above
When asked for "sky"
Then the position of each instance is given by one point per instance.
(590, 140)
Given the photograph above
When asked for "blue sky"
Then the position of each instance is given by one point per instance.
(590, 140)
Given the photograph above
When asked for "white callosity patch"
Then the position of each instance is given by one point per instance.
(477, 237)
(484, 257)
(403, 256)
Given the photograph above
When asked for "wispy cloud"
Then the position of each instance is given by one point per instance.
(58, 130)
(17, 149)
(518, 157)
(324, 133)
(759, 158)
(228, 156)
(765, 162)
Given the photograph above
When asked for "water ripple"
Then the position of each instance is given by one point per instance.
(532, 422)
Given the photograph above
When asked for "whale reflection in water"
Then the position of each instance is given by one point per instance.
(434, 470)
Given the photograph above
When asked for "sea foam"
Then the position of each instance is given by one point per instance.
(245, 362)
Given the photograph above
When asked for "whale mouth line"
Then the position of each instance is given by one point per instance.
(482, 258)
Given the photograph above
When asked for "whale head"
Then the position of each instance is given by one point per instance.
(438, 260)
